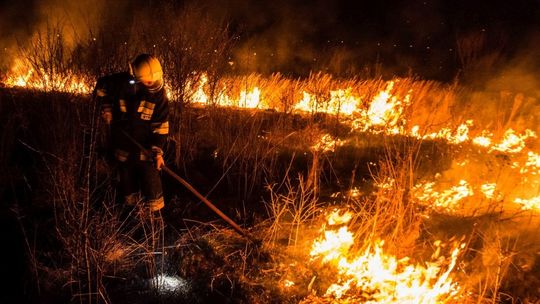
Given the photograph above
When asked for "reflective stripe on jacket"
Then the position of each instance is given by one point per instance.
(136, 111)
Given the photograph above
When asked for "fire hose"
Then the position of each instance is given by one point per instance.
(171, 173)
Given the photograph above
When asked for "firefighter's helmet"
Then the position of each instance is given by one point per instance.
(147, 70)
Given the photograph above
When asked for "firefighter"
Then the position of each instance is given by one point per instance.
(135, 103)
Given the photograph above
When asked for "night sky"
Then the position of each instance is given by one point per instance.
(419, 35)
(343, 37)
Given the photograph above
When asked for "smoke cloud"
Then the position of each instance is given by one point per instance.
(21, 21)
(296, 37)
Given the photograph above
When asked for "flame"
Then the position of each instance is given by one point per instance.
(386, 109)
(355, 192)
(341, 102)
(489, 190)
(387, 183)
(528, 204)
(446, 199)
(24, 75)
(306, 104)
(250, 99)
(532, 165)
(327, 143)
(199, 96)
(483, 140)
(460, 135)
(385, 112)
(334, 245)
(20, 74)
(377, 277)
(513, 142)
(288, 283)
(336, 218)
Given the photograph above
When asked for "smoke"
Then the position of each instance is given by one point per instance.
(279, 35)
(295, 37)
(340, 37)
(16, 24)
(519, 81)
(521, 73)
(21, 21)
(337, 36)
(77, 18)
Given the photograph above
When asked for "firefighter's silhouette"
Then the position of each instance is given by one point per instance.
(135, 103)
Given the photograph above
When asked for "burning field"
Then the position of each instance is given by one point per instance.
(373, 192)
(352, 189)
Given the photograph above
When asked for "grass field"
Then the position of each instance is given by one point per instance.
(358, 190)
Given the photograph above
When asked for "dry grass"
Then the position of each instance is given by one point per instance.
(96, 243)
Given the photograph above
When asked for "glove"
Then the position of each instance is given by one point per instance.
(157, 154)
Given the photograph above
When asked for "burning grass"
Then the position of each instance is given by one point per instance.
(375, 276)
(438, 204)
(387, 248)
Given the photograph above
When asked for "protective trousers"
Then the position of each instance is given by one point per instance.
(140, 176)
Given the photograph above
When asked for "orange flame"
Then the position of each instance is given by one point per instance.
(385, 113)
(23, 75)
(446, 199)
(489, 190)
(327, 143)
(512, 142)
(386, 109)
(529, 204)
(380, 277)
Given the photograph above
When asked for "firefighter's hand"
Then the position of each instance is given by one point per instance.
(157, 153)
(158, 160)
(106, 116)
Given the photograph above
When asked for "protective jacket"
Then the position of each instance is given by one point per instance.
(136, 111)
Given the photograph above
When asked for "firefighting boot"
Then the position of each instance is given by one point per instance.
(155, 204)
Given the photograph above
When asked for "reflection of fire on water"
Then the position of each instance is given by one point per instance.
(374, 276)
